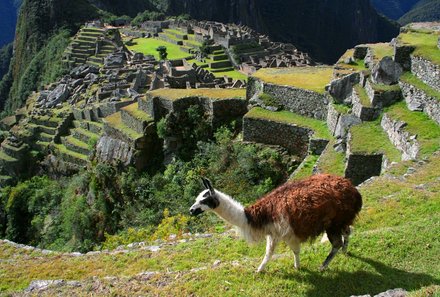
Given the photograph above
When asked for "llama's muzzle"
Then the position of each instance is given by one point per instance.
(195, 211)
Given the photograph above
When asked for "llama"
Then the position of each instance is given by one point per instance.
(294, 212)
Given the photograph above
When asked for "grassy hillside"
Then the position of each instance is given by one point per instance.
(394, 245)
(424, 11)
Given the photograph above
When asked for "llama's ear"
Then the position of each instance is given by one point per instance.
(208, 185)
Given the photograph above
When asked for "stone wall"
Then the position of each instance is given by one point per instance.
(361, 167)
(402, 140)
(418, 100)
(303, 102)
(427, 71)
(220, 111)
(382, 98)
(341, 88)
(402, 55)
(365, 113)
(294, 138)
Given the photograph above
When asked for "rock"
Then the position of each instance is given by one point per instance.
(115, 60)
(82, 71)
(344, 124)
(340, 146)
(393, 293)
(40, 285)
(76, 83)
(386, 72)
(341, 88)
(216, 263)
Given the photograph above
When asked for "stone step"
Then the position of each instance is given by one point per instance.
(41, 146)
(93, 127)
(84, 135)
(222, 70)
(115, 127)
(135, 118)
(14, 152)
(362, 106)
(84, 44)
(382, 95)
(86, 38)
(9, 164)
(220, 64)
(76, 145)
(91, 34)
(45, 137)
(96, 60)
(45, 121)
(80, 50)
(70, 156)
(218, 57)
(93, 30)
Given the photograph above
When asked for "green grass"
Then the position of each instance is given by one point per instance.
(134, 110)
(148, 46)
(174, 94)
(395, 244)
(381, 50)
(115, 121)
(309, 78)
(363, 96)
(341, 108)
(427, 131)
(425, 44)
(411, 79)
(320, 127)
(331, 161)
(381, 88)
(64, 150)
(7, 158)
(356, 64)
(234, 74)
(370, 138)
(306, 167)
(77, 142)
(174, 31)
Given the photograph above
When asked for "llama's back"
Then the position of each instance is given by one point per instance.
(311, 206)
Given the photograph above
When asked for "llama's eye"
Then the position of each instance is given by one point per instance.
(211, 202)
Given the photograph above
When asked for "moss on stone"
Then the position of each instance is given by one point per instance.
(331, 161)
(115, 121)
(64, 150)
(308, 78)
(425, 43)
(134, 110)
(370, 138)
(418, 123)
(320, 127)
(363, 96)
(341, 108)
(411, 79)
(174, 94)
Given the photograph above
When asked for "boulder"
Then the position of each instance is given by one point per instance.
(386, 72)
(340, 89)
(58, 95)
(115, 60)
(82, 70)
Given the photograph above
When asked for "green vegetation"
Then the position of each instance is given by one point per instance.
(370, 138)
(397, 224)
(147, 16)
(381, 88)
(423, 11)
(45, 67)
(174, 94)
(134, 110)
(5, 59)
(411, 79)
(341, 108)
(318, 126)
(306, 167)
(148, 46)
(381, 50)
(268, 100)
(331, 161)
(80, 212)
(116, 122)
(427, 131)
(356, 64)
(308, 78)
(363, 96)
(162, 50)
(424, 42)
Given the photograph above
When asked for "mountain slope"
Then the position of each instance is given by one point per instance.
(325, 29)
(8, 20)
(424, 11)
(393, 9)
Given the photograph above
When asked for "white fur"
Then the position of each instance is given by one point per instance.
(232, 211)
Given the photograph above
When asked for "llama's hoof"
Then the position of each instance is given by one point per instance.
(322, 268)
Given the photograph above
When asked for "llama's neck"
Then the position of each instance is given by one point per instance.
(231, 211)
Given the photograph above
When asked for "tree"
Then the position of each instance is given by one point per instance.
(162, 52)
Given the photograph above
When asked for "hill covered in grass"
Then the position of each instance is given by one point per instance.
(393, 246)
(423, 11)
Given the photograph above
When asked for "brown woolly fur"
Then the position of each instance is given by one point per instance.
(311, 206)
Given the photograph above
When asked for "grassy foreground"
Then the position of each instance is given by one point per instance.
(395, 244)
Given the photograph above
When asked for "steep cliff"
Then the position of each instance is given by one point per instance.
(325, 29)
(423, 11)
(8, 19)
(38, 22)
(393, 9)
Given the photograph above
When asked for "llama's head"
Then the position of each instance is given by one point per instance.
(207, 199)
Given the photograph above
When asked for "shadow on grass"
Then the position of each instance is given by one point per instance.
(363, 282)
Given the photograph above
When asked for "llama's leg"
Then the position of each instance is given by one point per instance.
(295, 246)
(346, 232)
(270, 248)
(336, 241)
